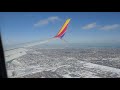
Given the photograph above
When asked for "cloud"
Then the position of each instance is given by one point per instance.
(54, 18)
(110, 27)
(101, 27)
(89, 26)
(47, 21)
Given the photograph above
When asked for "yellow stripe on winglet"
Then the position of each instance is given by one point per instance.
(67, 21)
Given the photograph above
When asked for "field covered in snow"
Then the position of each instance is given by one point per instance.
(65, 63)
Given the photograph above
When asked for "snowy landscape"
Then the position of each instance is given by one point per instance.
(38, 62)
(61, 44)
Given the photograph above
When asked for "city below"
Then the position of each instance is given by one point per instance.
(36, 62)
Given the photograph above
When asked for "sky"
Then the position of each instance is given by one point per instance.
(84, 27)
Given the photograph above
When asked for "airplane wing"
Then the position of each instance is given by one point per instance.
(14, 53)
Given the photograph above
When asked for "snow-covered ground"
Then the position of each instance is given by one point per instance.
(64, 63)
(15, 53)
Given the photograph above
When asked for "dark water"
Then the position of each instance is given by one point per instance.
(79, 45)
(94, 45)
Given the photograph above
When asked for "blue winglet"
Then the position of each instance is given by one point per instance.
(62, 36)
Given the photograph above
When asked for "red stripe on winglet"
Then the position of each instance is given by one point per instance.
(62, 32)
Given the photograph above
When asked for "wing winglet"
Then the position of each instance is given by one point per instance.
(62, 31)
